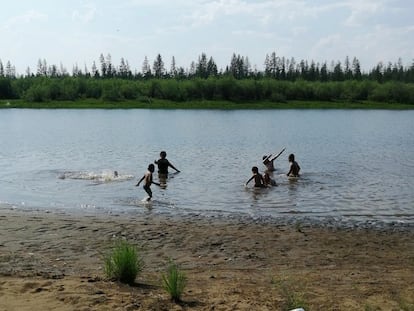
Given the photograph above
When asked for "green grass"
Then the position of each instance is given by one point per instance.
(146, 103)
(291, 299)
(123, 263)
(174, 282)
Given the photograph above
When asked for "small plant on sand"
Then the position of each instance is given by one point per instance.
(405, 305)
(369, 307)
(123, 263)
(291, 298)
(174, 281)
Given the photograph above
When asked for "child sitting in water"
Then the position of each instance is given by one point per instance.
(294, 167)
(148, 181)
(268, 181)
(258, 178)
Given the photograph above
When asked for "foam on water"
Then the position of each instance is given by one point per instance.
(99, 177)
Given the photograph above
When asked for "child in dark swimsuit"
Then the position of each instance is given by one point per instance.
(268, 181)
(258, 178)
(163, 164)
(294, 167)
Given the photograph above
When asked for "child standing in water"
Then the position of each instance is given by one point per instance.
(163, 164)
(294, 167)
(258, 178)
(268, 161)
(148, 181)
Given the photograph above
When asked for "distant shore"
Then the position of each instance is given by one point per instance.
(223, 105)
(54, 261)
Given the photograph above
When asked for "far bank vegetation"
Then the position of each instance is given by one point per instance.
(282, 80)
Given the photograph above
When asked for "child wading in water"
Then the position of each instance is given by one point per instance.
(258, 178)
(268, 181)
(148, 181)
(163, 164)
(268, 161)
(294, 167)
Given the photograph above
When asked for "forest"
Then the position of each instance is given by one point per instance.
(282, 80)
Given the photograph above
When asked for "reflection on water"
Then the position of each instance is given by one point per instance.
(355, 164)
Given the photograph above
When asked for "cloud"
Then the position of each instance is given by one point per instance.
(261, 12)
(24, 19)
(361, 11)
(85, 15)
(370, 30)
(253, 33)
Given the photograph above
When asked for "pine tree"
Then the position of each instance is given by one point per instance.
(40, 70)
(95, 71)
(63, 71)
(347, 69)
(110, 70)
(158, 67)
(123, 69)
(291, 73)
(146, 69)
(28, 72)
(173, 70)
(201, 67)
(53, 71)
(356, 69)
(103, 66)
(10, 70)
(193, 69)
(324, 72)
(312, 75)
(338, 74)
(246, 67)
(211, 67)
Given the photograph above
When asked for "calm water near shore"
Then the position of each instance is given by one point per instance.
(356, 165)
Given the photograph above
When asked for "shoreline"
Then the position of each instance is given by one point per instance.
(205, 105)
(323, 222)
(54, 261)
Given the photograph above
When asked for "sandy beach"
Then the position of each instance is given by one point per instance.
(52, 261)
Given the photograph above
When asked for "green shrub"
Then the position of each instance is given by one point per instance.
(123, 263)
(174, 281)
(37, 93)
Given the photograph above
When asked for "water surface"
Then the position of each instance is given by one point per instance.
(356, 165)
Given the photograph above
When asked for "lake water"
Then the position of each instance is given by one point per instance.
(356, 165)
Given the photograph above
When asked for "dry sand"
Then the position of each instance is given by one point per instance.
(54, 261)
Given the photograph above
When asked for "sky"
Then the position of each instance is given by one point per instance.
(77, 32)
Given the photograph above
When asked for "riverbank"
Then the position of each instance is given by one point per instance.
(149, 103)
(54, 261)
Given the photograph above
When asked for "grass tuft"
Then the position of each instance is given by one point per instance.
(123, 263)
(174, 281)
(291, 299)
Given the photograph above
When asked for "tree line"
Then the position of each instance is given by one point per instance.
(282, 80)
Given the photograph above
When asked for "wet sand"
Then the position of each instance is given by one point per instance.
(51, 261)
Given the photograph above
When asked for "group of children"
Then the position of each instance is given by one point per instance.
(260, 181)
(263, 181)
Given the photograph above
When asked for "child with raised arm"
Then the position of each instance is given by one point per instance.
(258, 178)
(268, 161)
(163, 164)
(294, 167)
(148, 181)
